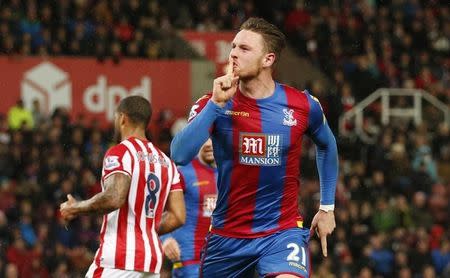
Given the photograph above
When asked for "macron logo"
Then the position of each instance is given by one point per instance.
(48, 84)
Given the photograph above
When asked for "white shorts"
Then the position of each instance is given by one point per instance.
(101, 272)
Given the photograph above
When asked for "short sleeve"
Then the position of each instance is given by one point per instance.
(117, 160)
(177, 180)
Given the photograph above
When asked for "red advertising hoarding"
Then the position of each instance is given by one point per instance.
(88, 87)
(215, 46)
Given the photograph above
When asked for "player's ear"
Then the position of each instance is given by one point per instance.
(268, 60)
(123, 118)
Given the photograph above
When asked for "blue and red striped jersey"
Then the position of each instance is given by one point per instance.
(257, 147)
(200, 194)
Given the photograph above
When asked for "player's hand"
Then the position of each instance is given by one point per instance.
(323, 224)
(225, 87)
(171, 249)
(68, 208)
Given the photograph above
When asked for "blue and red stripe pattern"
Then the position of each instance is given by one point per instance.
(200, 193)
(257, 147)
(264, 179)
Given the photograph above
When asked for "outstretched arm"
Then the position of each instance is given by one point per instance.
(113, 197)
(327, 165)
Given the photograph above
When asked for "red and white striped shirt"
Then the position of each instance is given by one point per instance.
(128, 238)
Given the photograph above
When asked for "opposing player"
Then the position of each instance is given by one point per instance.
(183, 245)
(257, 125)
(138, 182)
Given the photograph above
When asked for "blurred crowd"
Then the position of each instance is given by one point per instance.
(360, 44)
(104, 29)
(393, 206)
(41, 161)
(111, 29)
(364, 45)
(393, 212)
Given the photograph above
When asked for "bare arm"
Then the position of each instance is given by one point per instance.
(115, 195)
(175, 214)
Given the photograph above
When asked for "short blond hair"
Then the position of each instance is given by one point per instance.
(274, 39)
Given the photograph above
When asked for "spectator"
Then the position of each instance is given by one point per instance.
(297, 18)
(38, 115)
(419, 213)
(420, 257)
(428, 272)
(11, 271)
(382, 258)
(385, 218)
(17, 254)
(425, 79)
(423, 158)
(441, 256)
(4, 233)
(27, 231)
(19, 116)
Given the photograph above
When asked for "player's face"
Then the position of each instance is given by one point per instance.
(247, 53)
(206, 152)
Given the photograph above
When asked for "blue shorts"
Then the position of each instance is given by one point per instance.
(189, 271)
(284, 252)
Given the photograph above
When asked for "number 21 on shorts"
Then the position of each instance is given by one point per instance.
(294, 255)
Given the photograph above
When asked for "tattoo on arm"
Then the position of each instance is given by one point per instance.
(115, 195)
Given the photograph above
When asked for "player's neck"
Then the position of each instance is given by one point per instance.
(263, 86)
(135, 132)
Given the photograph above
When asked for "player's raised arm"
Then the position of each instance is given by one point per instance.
(113, 197)
(186, 144)
(327, 165)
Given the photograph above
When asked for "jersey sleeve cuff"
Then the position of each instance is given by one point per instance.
(326, 208)
(176, 187)
(116, 171)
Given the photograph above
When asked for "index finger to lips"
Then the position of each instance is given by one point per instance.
(230, 68)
